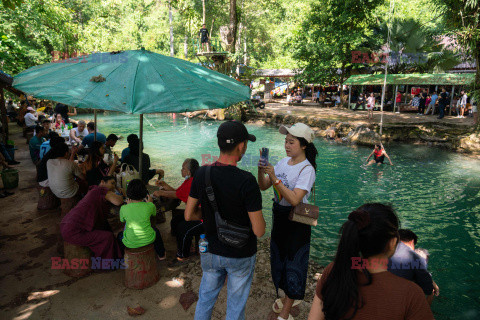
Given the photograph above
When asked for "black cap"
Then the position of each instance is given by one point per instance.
(233, 132)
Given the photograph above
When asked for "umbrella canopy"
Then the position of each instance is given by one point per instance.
(135, 81)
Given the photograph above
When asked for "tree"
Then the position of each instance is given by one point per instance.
(463, 19)
(330, 33)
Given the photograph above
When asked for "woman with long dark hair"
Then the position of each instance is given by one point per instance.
(357, 284)
(96, 168)
(292, 179)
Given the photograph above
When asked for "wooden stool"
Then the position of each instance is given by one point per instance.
(141, 271)
(46, 199)
(79, 260)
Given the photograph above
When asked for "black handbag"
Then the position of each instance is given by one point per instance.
(229, 233)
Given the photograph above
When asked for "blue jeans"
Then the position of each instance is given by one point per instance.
(215, 269)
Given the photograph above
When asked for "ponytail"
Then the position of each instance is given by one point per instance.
(366, 233)
(310, 151)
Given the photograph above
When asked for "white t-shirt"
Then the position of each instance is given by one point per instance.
(61, 177)
(30, 119)
(293, 179)
(77, 133)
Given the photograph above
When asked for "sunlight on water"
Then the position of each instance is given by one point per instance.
(436, 193)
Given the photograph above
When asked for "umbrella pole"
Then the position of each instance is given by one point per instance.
(140, 152)
(95, 120)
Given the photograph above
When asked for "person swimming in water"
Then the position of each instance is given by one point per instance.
(379, 155)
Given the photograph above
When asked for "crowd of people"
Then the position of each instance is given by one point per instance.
(424, 103)
(366, 280)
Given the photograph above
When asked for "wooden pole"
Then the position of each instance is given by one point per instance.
(406, 94)
(140, 152)
(349, 96)
(95, 120)
(3, 110)
(451, 100)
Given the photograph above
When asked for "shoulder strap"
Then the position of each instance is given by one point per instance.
(313, 180)
(209, 189)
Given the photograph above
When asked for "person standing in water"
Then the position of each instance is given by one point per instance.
(292, 179)
(379, 155)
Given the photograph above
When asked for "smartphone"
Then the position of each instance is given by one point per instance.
(264, 155)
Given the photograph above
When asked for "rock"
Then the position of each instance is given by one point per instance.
(362, 135)
(470, 143)
(187, 299)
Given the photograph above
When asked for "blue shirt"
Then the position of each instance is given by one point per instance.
(90, 138)
(434, 98)
(44, 148)
(407, 264)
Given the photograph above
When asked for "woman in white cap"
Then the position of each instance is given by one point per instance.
(292, 179)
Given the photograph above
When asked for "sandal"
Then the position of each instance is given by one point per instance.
(278, 303)
(289, 318)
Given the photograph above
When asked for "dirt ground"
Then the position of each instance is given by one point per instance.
(31, 289)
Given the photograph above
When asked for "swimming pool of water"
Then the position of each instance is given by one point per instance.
(435, 192)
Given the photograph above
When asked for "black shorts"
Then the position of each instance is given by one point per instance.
(204, 40)
(380, 159)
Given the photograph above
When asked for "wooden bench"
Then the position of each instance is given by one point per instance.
(141, 267)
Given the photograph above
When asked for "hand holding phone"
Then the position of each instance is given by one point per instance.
(264, 156)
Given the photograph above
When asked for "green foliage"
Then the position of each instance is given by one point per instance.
(331, 32)
(31, 31)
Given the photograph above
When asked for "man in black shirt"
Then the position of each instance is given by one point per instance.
(204, 36)
(442, 103)
(423, 99)
(239, 201)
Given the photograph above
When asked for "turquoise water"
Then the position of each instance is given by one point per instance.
(435, 192)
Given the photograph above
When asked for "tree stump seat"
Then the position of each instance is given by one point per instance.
(46, 199)
(79, 260)
(141, 267)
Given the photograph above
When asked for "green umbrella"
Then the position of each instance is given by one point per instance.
(134, 81)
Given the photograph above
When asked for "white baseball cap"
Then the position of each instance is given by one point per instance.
(299, 130)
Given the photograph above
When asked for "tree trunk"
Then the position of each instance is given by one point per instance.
(476, 93)
(185, 46)
(203, 7)
(232, 32)
(172, 52)
(245, 46)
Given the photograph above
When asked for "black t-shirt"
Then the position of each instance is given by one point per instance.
(63, 110)
(203, 33)
(423, 97)
(42, 173)
(237, 193)
(444, 98)
(95, 175)
(132, 160)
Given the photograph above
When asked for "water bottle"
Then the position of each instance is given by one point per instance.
(203, 244)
